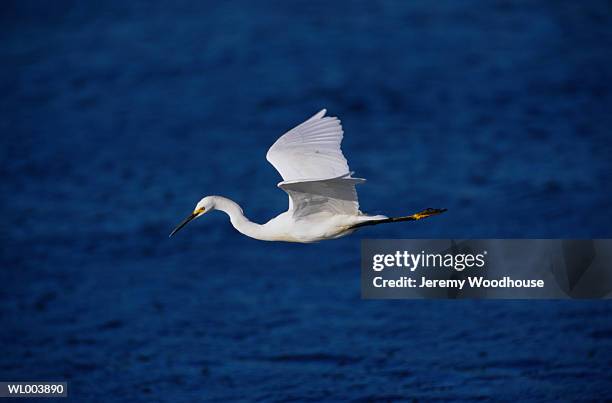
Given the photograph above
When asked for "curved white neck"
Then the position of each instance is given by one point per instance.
(238, 220)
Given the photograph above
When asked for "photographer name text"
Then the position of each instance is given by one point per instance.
(411, 262)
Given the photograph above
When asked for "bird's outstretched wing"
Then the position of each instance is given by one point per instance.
(310, 150)
(315, 173)
(335, 196)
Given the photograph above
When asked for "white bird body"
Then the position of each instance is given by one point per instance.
(323, 200)
(319, 226)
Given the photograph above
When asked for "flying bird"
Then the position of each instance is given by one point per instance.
(322, 196)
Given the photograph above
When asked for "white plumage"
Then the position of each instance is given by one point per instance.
(310, 151)
(323, 200)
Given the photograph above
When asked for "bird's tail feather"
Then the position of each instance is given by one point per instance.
(417, 216)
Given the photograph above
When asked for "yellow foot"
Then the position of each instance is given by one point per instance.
(428, 212)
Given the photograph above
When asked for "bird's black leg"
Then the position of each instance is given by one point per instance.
(417, 216)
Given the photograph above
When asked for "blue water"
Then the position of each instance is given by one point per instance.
(117, 118)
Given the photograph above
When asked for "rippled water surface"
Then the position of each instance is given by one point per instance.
(117, 118)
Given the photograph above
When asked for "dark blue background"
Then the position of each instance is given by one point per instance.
(117, 118)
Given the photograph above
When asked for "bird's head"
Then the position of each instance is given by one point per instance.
(204, 206)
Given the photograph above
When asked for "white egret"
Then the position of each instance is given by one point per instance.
(322, 197)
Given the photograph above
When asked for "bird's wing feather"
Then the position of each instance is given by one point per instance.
(310, 150)
(334, 196)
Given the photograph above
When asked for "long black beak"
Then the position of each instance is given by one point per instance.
(183, 223)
